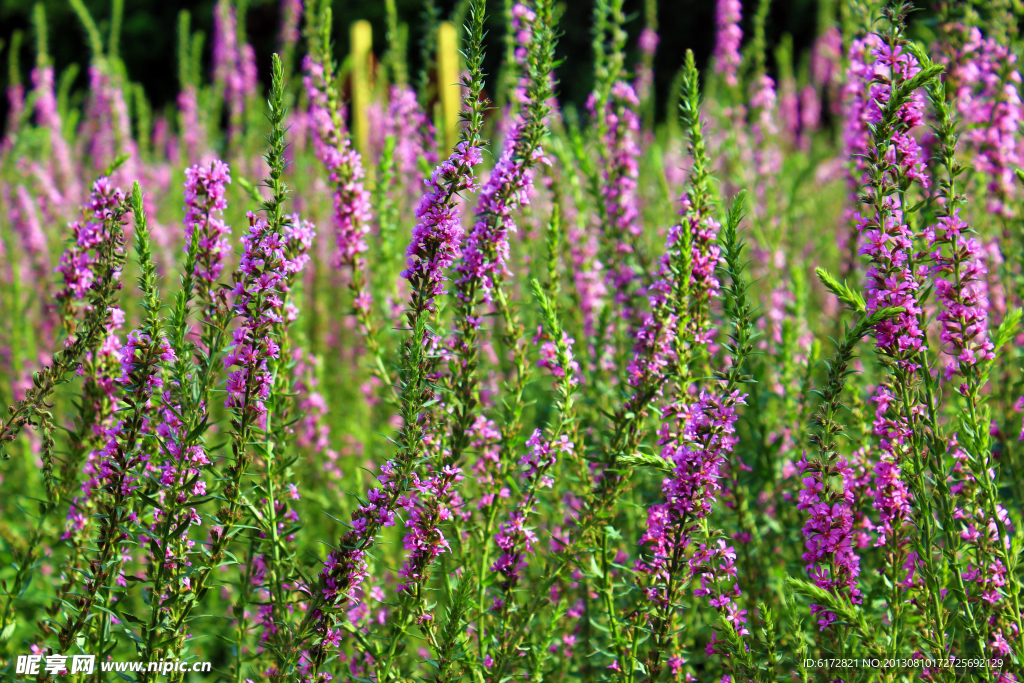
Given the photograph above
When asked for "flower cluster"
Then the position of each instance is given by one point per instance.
(77, 264)
(988, 101)
(696, 439)
(961, 286)
(412, 131)
(619, 190)
(266, 266)
(728, 36)
(486, 249)
(830, 559)
(344, 166)
(48, 116)
(234, 66)
(436, 505)
(438, 234)
(205, 202)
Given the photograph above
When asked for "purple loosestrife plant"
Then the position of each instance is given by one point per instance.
(15, 98)
(431, 250)
(258, 291)
(274, 516)
(669, 501)
(232, 66)
(344, 167)
(205, 202)
(515, 540)
(695, 440)
(827, 499)
(619, 209)
(87, 312)
(967, 498)
(728, 36)
(988, 102)
(123, 456)
(91, 269)
(412, 131)
(893, 164)
(48, 116)
(182, 480)
(485, 250)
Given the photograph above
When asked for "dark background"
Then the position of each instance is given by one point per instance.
(149, 36)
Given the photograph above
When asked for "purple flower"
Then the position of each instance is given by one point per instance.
(648, 42)
(705, 255)
(78, 262)
(619, 190)
(312, 430)
(345, 171)
(205, 202)
(988, 102)
(291, 14)
(435, 502)
(234, 67)
(885, 236)
(412, 131)
(26, 224)
(826, 55)
(963, 298)
(696, 438)
(107, 126)
(828, 532)
(486, 249)
(193, 132)
(438, 234)
(267, 265)
(16, 104)
(728, 36)
(48, 116)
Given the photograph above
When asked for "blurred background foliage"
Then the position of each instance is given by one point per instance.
(149, 36)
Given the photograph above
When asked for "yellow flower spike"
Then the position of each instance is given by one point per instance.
(362, 45)
(448, 87)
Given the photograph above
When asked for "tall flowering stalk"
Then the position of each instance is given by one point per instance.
(15, 97)
(609, 43)
(695, 440)
(969, 494)
(229, 72)
(831, 561)
(654, 356)
(643, 81)
(344, 167)
(485, 250)
(255, 346)
(93, 266)
(182, 479)
(987, 99)
(191, 122)
(91, 269)
(411, 129)
(620, 211)
(827, 497)
(48, 116)
(205, 202)
(514, 539)
(728, 36)
(431, 250)
(893, 163)
(123, 455)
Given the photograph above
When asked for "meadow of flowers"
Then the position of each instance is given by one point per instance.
(373, 375)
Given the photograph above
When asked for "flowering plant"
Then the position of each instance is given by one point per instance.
(525, 391)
